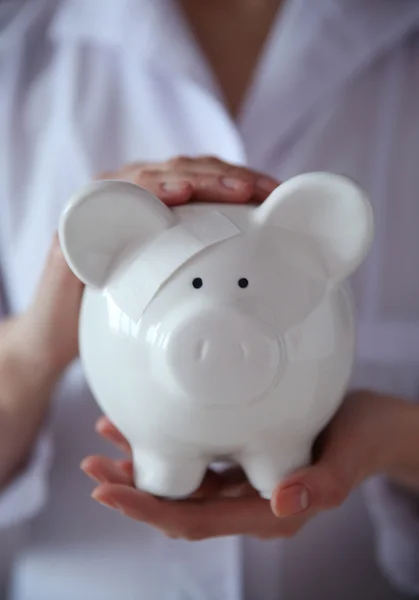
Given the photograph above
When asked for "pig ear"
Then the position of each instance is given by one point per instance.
(103, 221)
(330, 211)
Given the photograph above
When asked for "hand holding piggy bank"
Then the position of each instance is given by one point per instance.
(214, 332)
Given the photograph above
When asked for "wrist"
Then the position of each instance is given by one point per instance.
(23, 371)
(404, 468)
(25, 395)
(26, 358)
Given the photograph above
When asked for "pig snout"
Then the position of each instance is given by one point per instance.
(220, 356)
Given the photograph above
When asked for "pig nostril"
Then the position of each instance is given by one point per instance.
(201, 350)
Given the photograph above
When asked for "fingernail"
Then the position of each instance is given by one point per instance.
(232, 184)
(174, 186)
(108, 502)
(266, 184)
(88, 471)
(292, 501)
(84, 463)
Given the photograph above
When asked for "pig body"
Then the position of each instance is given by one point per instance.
(241, 351)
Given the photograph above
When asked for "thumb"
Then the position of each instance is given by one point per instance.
(321, 486)
(345, 454)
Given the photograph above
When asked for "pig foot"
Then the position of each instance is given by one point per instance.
(266, 469)
(170, 477)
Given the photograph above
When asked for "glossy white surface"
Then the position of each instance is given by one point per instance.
(244, 349)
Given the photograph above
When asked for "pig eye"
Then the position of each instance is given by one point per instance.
(243, 282)
(197, 283)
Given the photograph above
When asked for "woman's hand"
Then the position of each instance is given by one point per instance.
(225, 503)
(204, 179)
(371, 433)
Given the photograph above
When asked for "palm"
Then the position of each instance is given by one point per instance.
(225, 504)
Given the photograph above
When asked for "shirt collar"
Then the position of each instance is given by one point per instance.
(341, 35)
(321, 46)
(104, 22)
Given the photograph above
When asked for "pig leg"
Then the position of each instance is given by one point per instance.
(266, 466)
(169, 476)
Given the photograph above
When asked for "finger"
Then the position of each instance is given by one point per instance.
(172, 192)
(172, 189)
(209, 188)
(105, 470)
(202, 187)
(191, 519)
(240, 179)
(205, 179)
(319, 487)
(235, 186)
(262, 193)
(262, 184)
(340, 464)
(107, 430)
(216, 166)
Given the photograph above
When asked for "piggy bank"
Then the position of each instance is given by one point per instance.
(216, 331)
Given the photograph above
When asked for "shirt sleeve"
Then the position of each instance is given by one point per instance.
(393, 509)
(26, 494)
(394, 512)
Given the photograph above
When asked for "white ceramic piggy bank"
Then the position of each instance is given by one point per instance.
(217, 331)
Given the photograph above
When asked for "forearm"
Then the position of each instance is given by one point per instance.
(25, 391)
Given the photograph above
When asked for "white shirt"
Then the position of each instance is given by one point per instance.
(89, 85)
